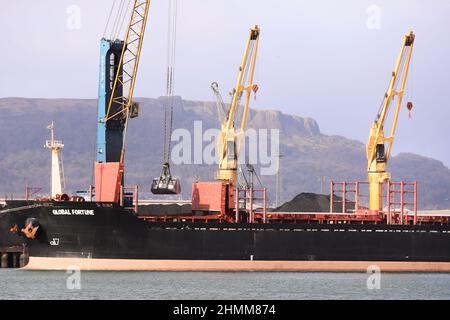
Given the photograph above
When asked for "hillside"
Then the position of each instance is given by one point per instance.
(308, 154)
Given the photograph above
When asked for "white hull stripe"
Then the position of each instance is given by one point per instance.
(43, 263)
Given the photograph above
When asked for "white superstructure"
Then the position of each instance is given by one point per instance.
(55, 146)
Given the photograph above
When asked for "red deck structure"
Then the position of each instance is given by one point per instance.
(348, 205)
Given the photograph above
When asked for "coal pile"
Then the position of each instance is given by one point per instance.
(312, 202)
(165, 210)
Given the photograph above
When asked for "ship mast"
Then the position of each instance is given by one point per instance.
(55, 146)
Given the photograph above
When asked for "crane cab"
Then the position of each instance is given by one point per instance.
(380, 153)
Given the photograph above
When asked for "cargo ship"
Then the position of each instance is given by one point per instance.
(55, 235)
(227, 226)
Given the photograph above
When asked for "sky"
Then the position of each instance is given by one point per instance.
(325, 59)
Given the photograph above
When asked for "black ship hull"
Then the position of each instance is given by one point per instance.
(104, 236)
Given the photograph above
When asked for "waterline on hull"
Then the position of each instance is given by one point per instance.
(93, 264)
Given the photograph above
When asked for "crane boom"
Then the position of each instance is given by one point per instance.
(230, 139)
(376, 151)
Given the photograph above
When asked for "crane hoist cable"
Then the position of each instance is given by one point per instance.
(221, 109)
(410, 85)
(115, 26)
(125, 13)
(109, 18)
(171, 55)
(120, 9)
(165, 184)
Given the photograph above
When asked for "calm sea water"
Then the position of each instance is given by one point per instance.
(19, 284)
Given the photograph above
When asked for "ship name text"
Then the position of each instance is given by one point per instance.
(72, 212)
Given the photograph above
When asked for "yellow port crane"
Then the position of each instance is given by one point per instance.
(230, 139)
(379, 146)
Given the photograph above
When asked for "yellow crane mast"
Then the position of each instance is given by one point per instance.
(230, 138)
(379, 146)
